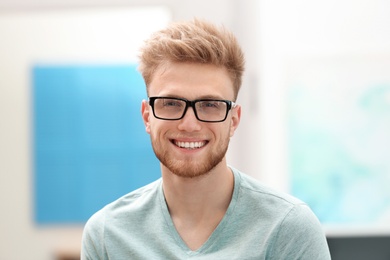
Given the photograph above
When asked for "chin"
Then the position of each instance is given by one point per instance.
(192, 170)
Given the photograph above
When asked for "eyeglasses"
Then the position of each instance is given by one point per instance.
(205, 110)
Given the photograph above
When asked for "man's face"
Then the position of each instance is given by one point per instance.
(188, 147)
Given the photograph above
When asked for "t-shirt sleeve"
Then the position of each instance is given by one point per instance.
(92, 245)
(300, 236)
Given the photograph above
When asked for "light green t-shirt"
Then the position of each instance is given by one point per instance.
(260, 223)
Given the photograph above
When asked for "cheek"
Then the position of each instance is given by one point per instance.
(227, 130)
(231, 131)
(223, 133)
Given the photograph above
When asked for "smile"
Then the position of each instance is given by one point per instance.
(190, 145)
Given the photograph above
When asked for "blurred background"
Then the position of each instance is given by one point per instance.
(315, 123)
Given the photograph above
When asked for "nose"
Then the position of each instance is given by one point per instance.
(189, 122)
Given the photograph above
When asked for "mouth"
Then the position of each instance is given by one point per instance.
(189, 145)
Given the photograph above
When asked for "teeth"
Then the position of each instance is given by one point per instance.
(190, 145)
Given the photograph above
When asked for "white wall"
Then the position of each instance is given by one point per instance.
(294, 31)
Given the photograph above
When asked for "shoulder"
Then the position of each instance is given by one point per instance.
(110, 219)
(133, 202)
(253, 189)
(301, 235)
(280, 210)
(123, 208)
(294, 225)
(135, 198)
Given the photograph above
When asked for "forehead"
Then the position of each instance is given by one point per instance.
(192, 81)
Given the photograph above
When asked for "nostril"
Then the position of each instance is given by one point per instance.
(189, 123)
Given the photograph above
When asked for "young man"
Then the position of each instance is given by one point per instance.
(201, 208)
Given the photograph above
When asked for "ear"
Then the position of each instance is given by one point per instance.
(145, 112)
(235, 120)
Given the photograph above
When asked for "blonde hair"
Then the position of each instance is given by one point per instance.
(194, 41)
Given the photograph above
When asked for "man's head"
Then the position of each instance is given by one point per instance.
(193, 73)
(193, 42)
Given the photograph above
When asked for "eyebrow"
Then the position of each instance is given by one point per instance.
(211, 97)
(206, 97)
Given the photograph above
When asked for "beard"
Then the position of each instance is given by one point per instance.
(190, 168)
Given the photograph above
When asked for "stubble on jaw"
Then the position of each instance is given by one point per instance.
(190, 168)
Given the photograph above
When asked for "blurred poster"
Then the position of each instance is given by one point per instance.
(90, 145)
(339, 139)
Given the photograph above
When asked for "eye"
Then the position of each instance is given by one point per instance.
(172, 103)
(209, 104)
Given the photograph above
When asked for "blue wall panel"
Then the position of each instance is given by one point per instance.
(90, 145)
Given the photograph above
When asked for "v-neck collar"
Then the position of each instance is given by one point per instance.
(217, 231)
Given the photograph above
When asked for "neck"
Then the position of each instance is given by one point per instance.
(198, 197)
(197, 205)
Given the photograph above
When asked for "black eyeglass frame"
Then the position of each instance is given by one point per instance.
(229, 105)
